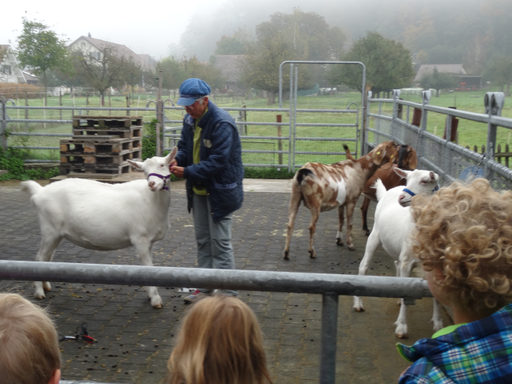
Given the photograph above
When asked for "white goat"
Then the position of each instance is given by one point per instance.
(105, 217)
(392, 229)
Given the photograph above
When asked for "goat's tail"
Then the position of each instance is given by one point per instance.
(303, 173)
(348, 154)
(30, 186)
(381, 189)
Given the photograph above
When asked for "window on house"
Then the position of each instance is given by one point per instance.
(6, 69)
(95, 55)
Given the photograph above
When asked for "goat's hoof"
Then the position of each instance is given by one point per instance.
(438, 324)
(285, 256)
(47, 286)
(158, 306)
(339, 242)
(40, 297)
(359, 309)
(401, 331)
(351, 248)
(312, 255)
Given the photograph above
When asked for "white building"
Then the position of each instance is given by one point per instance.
(95, 47)
(10, 71)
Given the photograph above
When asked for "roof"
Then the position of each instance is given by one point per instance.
(121, 50)
(456, 69)
(229, 66)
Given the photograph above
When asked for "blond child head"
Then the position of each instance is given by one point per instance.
(464, 234)
(220, 342)
(29, 345)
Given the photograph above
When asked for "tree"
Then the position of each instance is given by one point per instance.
(437, 81)
(388, 64)
(260, 68)
(131, 73)
(233, 45)
(297, 36)
(500, 72)
(173, 73)
(3, 53)
(101, 71)
(41, 50)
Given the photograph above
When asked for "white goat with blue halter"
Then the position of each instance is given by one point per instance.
(392, 229)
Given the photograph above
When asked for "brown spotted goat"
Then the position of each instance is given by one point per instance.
(324, 187)
(407, 160)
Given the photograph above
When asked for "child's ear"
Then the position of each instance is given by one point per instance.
(55, 377)
(439, 274)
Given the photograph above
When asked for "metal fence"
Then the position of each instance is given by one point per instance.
(406, 123)
(330, 286)
(271, 137)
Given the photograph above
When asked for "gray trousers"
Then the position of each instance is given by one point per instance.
(214, 248)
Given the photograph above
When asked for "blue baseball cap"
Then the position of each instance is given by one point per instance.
(191, 90)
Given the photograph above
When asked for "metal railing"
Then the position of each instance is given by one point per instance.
(450, 160)
(330, 286)
(260, 146)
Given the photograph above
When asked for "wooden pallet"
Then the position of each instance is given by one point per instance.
(130, 132)
(71, 169)
(109, 144)
(106, 122)
(93, 158)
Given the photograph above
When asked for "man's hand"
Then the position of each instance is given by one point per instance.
(177, 171)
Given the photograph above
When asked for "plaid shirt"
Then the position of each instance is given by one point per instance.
(477, 352)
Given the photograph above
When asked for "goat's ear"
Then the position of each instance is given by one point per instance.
(412, 158)
(136, 164)
(378, 154)
(171, 154)
(402, 173)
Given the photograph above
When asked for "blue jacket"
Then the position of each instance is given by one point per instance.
(220, 169)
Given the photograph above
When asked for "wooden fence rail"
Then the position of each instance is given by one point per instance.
(498, 155)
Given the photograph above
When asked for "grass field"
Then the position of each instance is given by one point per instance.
(469, 133)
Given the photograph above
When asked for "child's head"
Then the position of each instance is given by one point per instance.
(220, 342)
(29, 345)
(464, 234)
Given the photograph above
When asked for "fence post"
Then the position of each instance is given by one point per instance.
(3, 127)
(159, 117)
(26, 111)
(420, 147)
(493, 102)
(366, 122)
(394, 125)
(242, 115)
(328, 338)
(279, 119)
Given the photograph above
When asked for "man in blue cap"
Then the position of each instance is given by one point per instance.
(210, 159)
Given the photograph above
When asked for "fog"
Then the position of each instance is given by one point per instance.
(193, 28)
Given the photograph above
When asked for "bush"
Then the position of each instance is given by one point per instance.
(149, 140)
(267, 173)
(12, 161)
(21, 91)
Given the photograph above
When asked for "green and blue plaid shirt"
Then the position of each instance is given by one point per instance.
(478, 352)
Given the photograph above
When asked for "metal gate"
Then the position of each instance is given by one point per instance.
(304, 133)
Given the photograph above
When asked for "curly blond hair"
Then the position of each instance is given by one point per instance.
(465, 231)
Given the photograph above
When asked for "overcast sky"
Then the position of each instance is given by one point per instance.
(145, 27)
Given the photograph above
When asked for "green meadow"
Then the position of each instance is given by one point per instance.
(328, 138)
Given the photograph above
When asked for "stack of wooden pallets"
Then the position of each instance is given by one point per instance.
(101, 146)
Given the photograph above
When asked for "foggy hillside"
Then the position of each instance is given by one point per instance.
(446, 31)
